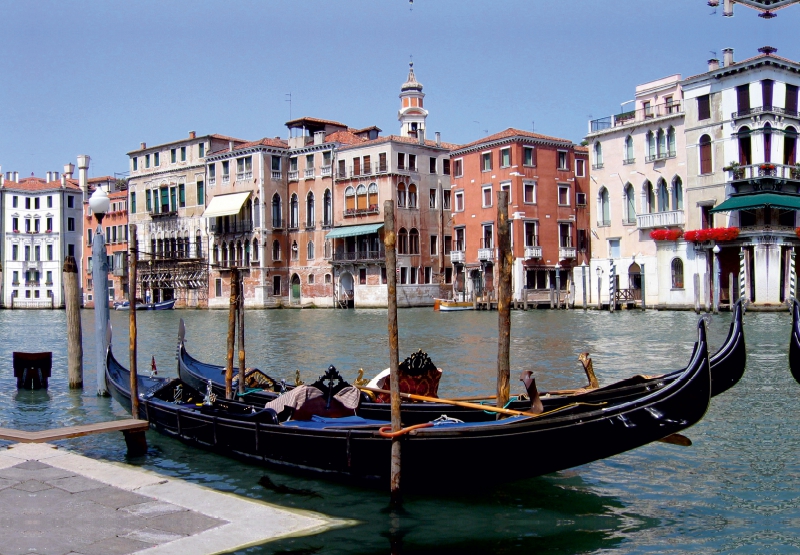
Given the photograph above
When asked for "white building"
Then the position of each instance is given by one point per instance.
(42, 221)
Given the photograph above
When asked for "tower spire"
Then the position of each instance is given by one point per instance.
(412, 115)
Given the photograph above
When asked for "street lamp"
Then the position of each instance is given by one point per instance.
(599, 282)
(715, 277)
(99, 204)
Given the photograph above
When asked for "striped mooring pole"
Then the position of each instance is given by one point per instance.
(792, 277)
(742, 284)
(612, 286)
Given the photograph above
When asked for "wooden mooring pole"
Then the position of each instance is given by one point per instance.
(231, 333)
(389, 241)
(240, 308)
(506, 261)
(132, 257)
(74, 332)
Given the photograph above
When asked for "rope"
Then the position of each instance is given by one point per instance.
(385, 430)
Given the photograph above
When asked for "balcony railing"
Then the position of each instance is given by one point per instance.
(457, 257)
(276, 175)
(293, 226)
(764, 109)
(660, 219)
(310, 224)
(485, 254)
(533, 252)
(636, 116)
(359, 255)
(784, 230)
(31, 284)
(372, 209)
(244, 175)
(627, 161)
(341, 173)
(660, 156)
(212, 181)
(767, 169)
(226, 178)
(277, 223)
(293, 175)
(232, 227)
(164, 215)
(326, 223)
(597, 166)
(308, 173)
(566, 253)
(325, 171)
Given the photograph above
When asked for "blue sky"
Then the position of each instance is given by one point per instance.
(99, 77)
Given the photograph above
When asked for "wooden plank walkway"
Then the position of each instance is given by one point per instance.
(43, 436)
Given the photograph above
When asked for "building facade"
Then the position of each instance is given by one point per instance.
(547, 180)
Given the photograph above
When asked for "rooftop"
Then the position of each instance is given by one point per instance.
(32, 184)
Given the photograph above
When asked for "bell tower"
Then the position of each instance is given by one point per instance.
(412, 114)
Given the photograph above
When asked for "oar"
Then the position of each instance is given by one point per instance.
(487, 408)
(677, 439)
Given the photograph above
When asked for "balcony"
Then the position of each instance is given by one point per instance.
(636, 116)
(308, 173)
(164, 215)
(660, 156)
(358, 256)
(277, 223)
(767, 169)
(486, 254)
(325, 171)
(32, 284)
(533, 252)
(226, 178)
(276, 175)
(326, 223)
(293, 226)
(310, 225)
(457, 257)
(764, 109)
(341, 173)
(240, 176)
(750, 231)
(597, 166)
(382, 168)
(243, 226)
(660, 219)
(628, 161)
(212, 181)
(120, 272)
(293, 175)
(567, 253)
(352, 212)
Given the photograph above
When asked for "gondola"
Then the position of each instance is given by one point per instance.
(794, 343)
(727, 368)
(578, 431)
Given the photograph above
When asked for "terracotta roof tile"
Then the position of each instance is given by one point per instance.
(266, 141)
(299, 121)
(408, 140)
(744, 62)
(101, 179)
(38, 184)
(580, 148)
(511, 132)
(344, 137)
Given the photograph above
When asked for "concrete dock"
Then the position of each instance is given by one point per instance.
(56, 502)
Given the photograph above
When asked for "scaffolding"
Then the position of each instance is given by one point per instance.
(182, 279)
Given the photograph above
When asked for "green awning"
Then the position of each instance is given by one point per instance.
(759, 200)
(353, 230)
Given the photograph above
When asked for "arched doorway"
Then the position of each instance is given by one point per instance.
(345, 292)
(635, 281)
(295, 289)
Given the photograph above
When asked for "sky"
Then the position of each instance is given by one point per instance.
(98, 77)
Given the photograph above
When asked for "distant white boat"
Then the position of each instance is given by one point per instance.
(447, 305)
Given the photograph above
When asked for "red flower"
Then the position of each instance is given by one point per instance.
(712, 234)
(666, 234)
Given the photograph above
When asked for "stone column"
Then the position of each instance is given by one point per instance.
(767, 273)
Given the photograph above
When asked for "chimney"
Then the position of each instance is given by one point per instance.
(438, 139)
(767, 50)
(16, 177)
(49, 177)
(55, 176)
(727, 57)
(727, 8)
(421, 135)
(143, 146)
(192, 135)
(713, 64)
(68, 170)
(83, 169)
(230, 146)
(63, 180)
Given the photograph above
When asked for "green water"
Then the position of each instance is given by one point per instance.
(734, 491)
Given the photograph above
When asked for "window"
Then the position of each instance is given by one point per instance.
(135, 163)
(36, 203)
(531, 233)
(49, 223)
(598, 156)
(448, 275)
(401, 194)
(432, 199)
(173, 155)
(27, 253)
(428, 274)
(663, 196)
(446, 199)
(648, 109)
(661, 141)
(671, 142)
(528, 158)
(446, 166)
(743, 99)
(181, 195)
(361, 197)
(328, 277)
(677, 193)
(70, 201)
(630, 205)
(677, 273)
(412, 195)
(15, 278)
(27, 225)
(563, 195)
(146, 160)
(350, 199)
(401, 161)
(372, 196)
(310, 250)
(36, 228)
(362, 276)
(49, 201)
(382, 166)
(310, 215)
(412, 275)
(310, 162)
(565, 234)
(148, 201)
(562, 160)
(448, 244)
(276, 211)
(403, 275)
(294, 212)
(15, 224)
(507, 188)
(629, 159)
(218, 287)
(133, 202)
(486, 196)
(705, 154)
(486, 239)
(604, 210)
(790, 104)
(244, 168)
(311, 279)
(14, 201)
(413, 241)
(459, 201)
(14, 252)
(458, 167)
(767, 134)
(156, 158)
(183, 154)
(327, 216)
(201, 193)
(650, 197)
(505, 157)
(70, 224)
(703, 107)
(226, 170)
(789, 145)
(201, 150)
(529, 192)
(434, 245)
(49, 278)
(276, 286)
(402, 241)
(580, 167)
(342, 169)
(650, 142)
(28, 203)
(276, 250)
(432, 165)
(49, 252)
(412, 162)
(460, 243)
(486, 161)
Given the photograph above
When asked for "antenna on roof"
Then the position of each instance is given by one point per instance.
(533, 126)
(713, 53)
(289, 100)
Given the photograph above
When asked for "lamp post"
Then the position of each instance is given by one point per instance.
(99, 204)
(558, 285)
(715, 277)
(599, 283)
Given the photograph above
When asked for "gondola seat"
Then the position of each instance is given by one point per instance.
(307, 401)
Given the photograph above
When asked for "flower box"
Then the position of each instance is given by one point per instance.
(666, 234)
(712, 234)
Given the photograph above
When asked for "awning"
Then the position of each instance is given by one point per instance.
(759, 200)
(225, 205)
(353, 230)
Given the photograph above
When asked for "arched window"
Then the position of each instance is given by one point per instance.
(671, 142)
(276, 211)
(677, 193)
(361, 197)
(239, 253)
(276, 250)
(662, 144)
(256, 213)
(705, 154)
(327, 214)
(604, 211)
(401, 194)
(372, 193)
(216, 254)
(677, 273)
(310, 250)
(650, 142)
(629, 150)
(310, 209)
(349, 200)
(413, 241)
(198, 245)
(412, 195)
(327, 250)
(255, 250)
(767, 142)
(294, 212)
(790, 146)
(224, 254)
(663, 196)
(650, 195)
(745, 146)
(295, 251)
(402, 241)
(246, 252)
(630, 205)
(598, 155)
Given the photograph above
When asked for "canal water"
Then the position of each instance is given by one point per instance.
(735, 490)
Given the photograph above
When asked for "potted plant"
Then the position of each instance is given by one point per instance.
(794, 171)
(666, 234)
(737, 172)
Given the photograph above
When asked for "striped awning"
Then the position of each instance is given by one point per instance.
(225, 205)
(353, 230)
(759, 200)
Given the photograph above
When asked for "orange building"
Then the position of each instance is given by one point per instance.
(548, 181)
